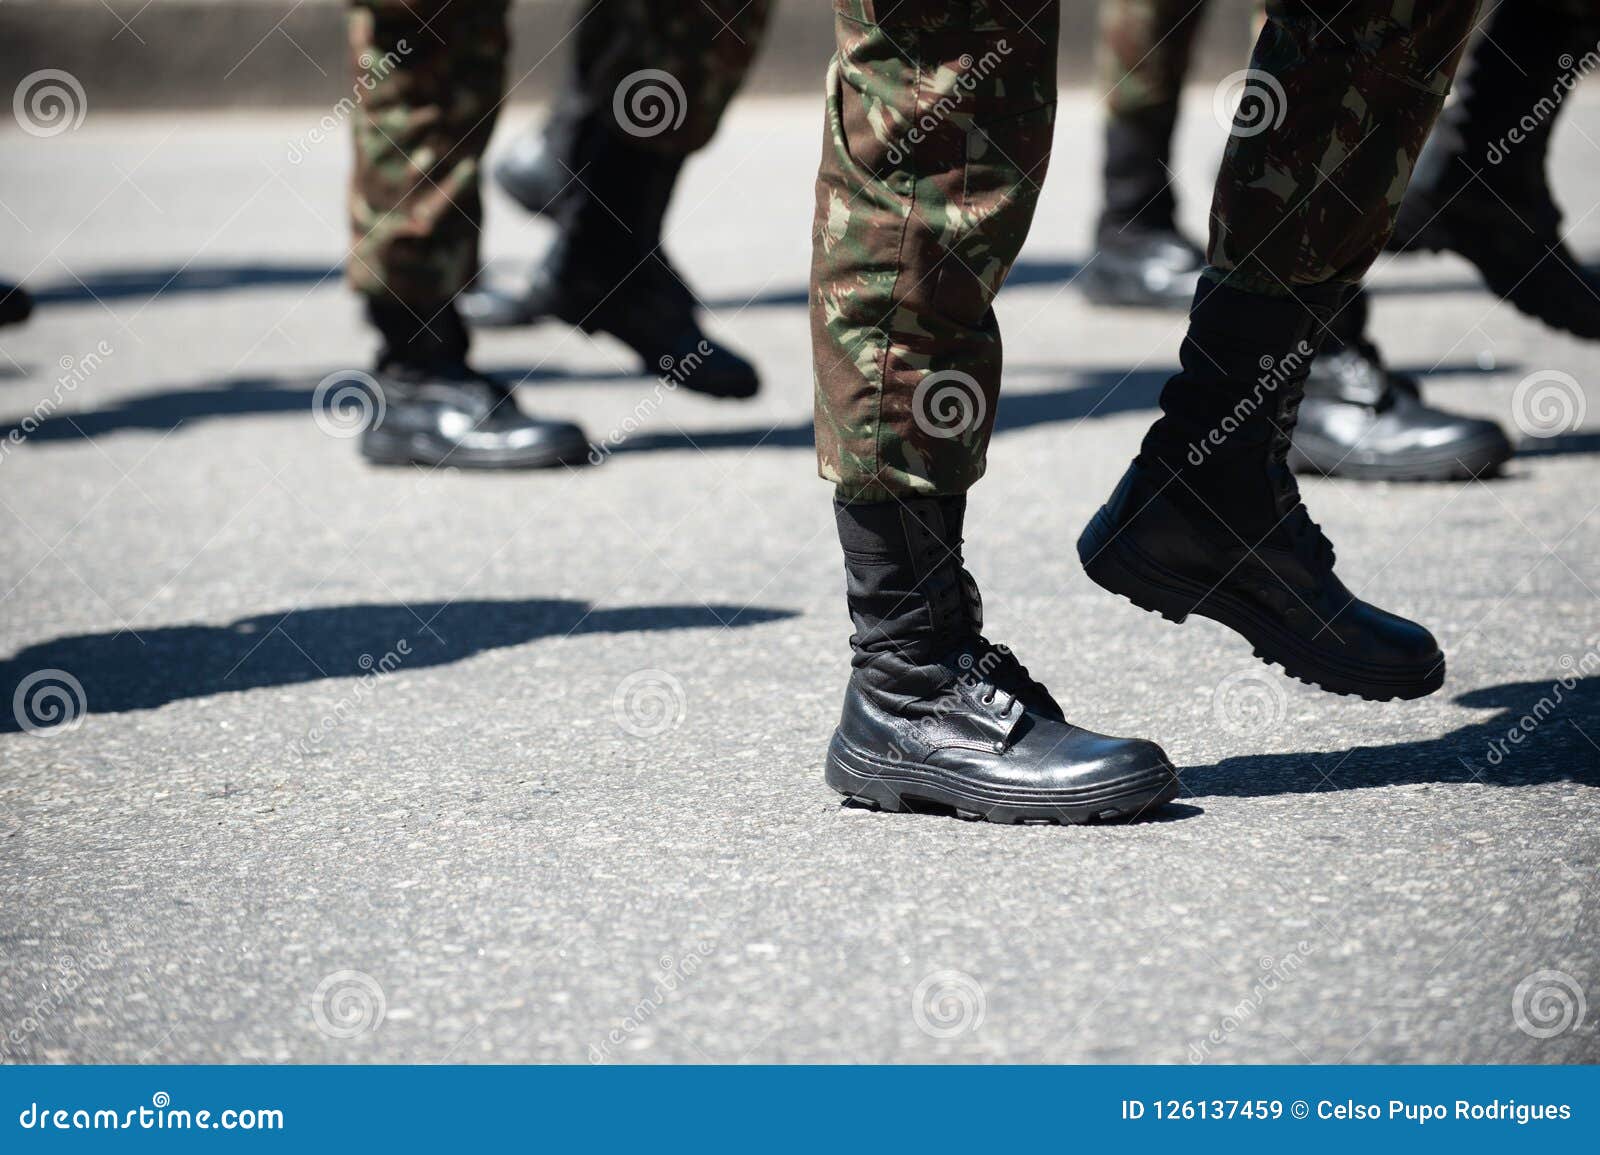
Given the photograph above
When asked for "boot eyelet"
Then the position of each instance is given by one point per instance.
(999, 747)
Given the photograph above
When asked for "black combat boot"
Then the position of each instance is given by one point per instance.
(1480, 186)
(1363, 421)
(606, 272)
(1142, 260)
(538, 169)
(437, 411)
(16, 306)
(937, 714)
(1208, 519)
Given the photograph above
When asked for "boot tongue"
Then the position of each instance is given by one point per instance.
(993, 667)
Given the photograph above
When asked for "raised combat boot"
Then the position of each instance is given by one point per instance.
(1208, 519)
(606, 272)
(1480, 188)
(937, 715)
(1141, 259)
(436, 410)
(1363, 421)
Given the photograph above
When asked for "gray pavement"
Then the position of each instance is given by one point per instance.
(400, 765)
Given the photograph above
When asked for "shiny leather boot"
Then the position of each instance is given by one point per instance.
(936, 715)
(1363, 421)
(1208, 519)
(1141, 259)
(435, 410)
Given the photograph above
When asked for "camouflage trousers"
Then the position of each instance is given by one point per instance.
(938, 135)
(430, 76)
(1142, 57)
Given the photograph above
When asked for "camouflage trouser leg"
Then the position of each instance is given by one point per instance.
(1344, 94)
(429, 81)
(644, 64)
(1142, 57)
(939, 120)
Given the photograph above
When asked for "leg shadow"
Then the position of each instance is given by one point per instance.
(1098, 393)
(167, 409)
(127, 671)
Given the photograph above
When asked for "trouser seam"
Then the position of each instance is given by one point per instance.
(899, 272)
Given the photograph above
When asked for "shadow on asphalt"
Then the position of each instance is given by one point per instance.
(167, 280)
(1561, 744)
(1561, 444)
(127, 671)
(241, 397)
(1092, 393)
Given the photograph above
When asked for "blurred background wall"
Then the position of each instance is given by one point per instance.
(176, 54)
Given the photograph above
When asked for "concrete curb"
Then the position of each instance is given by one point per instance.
(211, 54)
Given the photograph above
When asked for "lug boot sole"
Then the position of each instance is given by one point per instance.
(904, 785)
(1116, 565)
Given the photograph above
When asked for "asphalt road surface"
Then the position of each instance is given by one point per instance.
(390, 764)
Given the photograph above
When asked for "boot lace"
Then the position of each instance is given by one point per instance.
(1304, 535)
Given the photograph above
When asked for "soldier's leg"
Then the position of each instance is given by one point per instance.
(428, 77)
(1481, 187)
(938, 136)
(651, 84)
(938, 132)
(1208, 520)
(706, 49)
(1143, 57)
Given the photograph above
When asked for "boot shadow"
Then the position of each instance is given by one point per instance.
(1558, 743)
